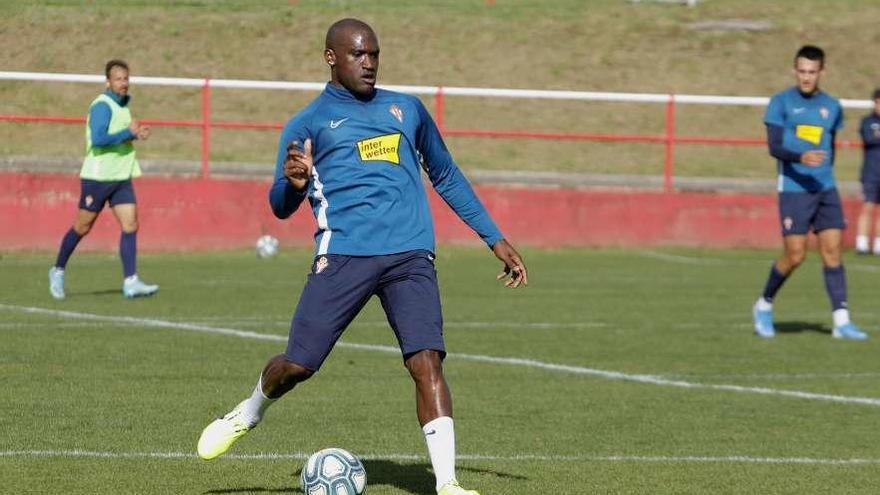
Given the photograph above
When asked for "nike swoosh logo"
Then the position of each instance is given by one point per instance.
(336, 123)
(798, 110)
(430, 432)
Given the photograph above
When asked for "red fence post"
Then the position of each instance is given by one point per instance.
(206, 128)
(668, 164)
(438, 108)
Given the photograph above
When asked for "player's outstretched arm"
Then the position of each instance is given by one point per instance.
(514, 272)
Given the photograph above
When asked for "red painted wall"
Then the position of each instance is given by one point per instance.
(189, 214)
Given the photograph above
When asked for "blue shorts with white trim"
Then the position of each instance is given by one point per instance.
(339, 286)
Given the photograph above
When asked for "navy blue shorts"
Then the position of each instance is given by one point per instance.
(94, 194)
(339, 286)
(871, 192)
(799, 211)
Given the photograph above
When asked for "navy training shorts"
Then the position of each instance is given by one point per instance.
(799, 211)
(94, 194)
(871, 191)
(339, 286)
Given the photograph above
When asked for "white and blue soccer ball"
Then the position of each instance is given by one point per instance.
(267, 246)
(333, 472)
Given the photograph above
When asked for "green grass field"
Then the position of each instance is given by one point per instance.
(616, 371)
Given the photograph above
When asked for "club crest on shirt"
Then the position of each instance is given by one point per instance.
(823, 112)
(321, 264)
(396, 111)
(787, 223)
(89, 200)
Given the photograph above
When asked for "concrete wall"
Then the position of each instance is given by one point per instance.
(191, 214)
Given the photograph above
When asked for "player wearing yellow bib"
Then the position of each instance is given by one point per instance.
(802, 123)
(106, 174)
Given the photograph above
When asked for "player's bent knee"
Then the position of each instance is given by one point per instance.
(424, 363)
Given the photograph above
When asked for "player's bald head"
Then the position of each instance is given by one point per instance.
(342, 30)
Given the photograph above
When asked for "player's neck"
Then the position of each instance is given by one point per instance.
(810, 94)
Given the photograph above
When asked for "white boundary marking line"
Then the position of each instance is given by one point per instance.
(531, 363)
(77, 453)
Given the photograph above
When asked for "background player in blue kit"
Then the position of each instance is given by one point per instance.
(357, 153)
(802, 122)
(870, 177)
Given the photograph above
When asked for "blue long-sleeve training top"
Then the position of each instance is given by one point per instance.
(99, 122)
(366, 190)
(807, 122)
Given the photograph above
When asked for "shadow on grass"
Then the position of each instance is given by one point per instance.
(801, 326)
(415, 479)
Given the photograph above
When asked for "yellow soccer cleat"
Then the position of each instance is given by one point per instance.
(453, 488)
(219, 436)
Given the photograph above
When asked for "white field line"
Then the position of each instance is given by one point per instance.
(530, 363)
(772, 376)
(76, 453)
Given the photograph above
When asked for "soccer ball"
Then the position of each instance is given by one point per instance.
(333, 472)
(267, 246)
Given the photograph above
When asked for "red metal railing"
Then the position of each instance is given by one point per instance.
(669, 138)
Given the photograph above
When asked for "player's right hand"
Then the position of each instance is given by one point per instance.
(298, 164)
(813, 158)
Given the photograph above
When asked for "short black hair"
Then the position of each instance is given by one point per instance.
(342, 25)
(877, 94)
(811, 52)
(114, 63)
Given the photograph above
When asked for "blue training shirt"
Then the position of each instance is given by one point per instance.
(808, 123)
(870, 132)
(366, 189)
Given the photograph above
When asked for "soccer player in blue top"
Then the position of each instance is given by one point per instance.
(357, 154)
(802, 123)
(870, 177)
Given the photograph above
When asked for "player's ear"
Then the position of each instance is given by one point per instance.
(330, 57)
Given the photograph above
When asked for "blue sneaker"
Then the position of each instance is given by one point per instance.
(56, 282)
(134, 287)
(849, 332)
(763, 322)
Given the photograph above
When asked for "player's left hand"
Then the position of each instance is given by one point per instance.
(514, 268)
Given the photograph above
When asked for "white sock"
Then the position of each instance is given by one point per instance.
(862, 243)
(131, 279)
(877, 245)
(763, 304)
(841, 317)
(253, 407)
(440, 437)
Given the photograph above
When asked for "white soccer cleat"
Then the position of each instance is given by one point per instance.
(134, 287)
(219, 436)
(56, 282)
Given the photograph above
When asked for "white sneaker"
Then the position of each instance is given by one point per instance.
(56, 282)
(134, 287)
(219, 436)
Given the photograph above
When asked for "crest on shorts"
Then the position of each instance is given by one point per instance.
(396, 111)
(321, 264)
(823, 112)
(787, 223)
(89, 200)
